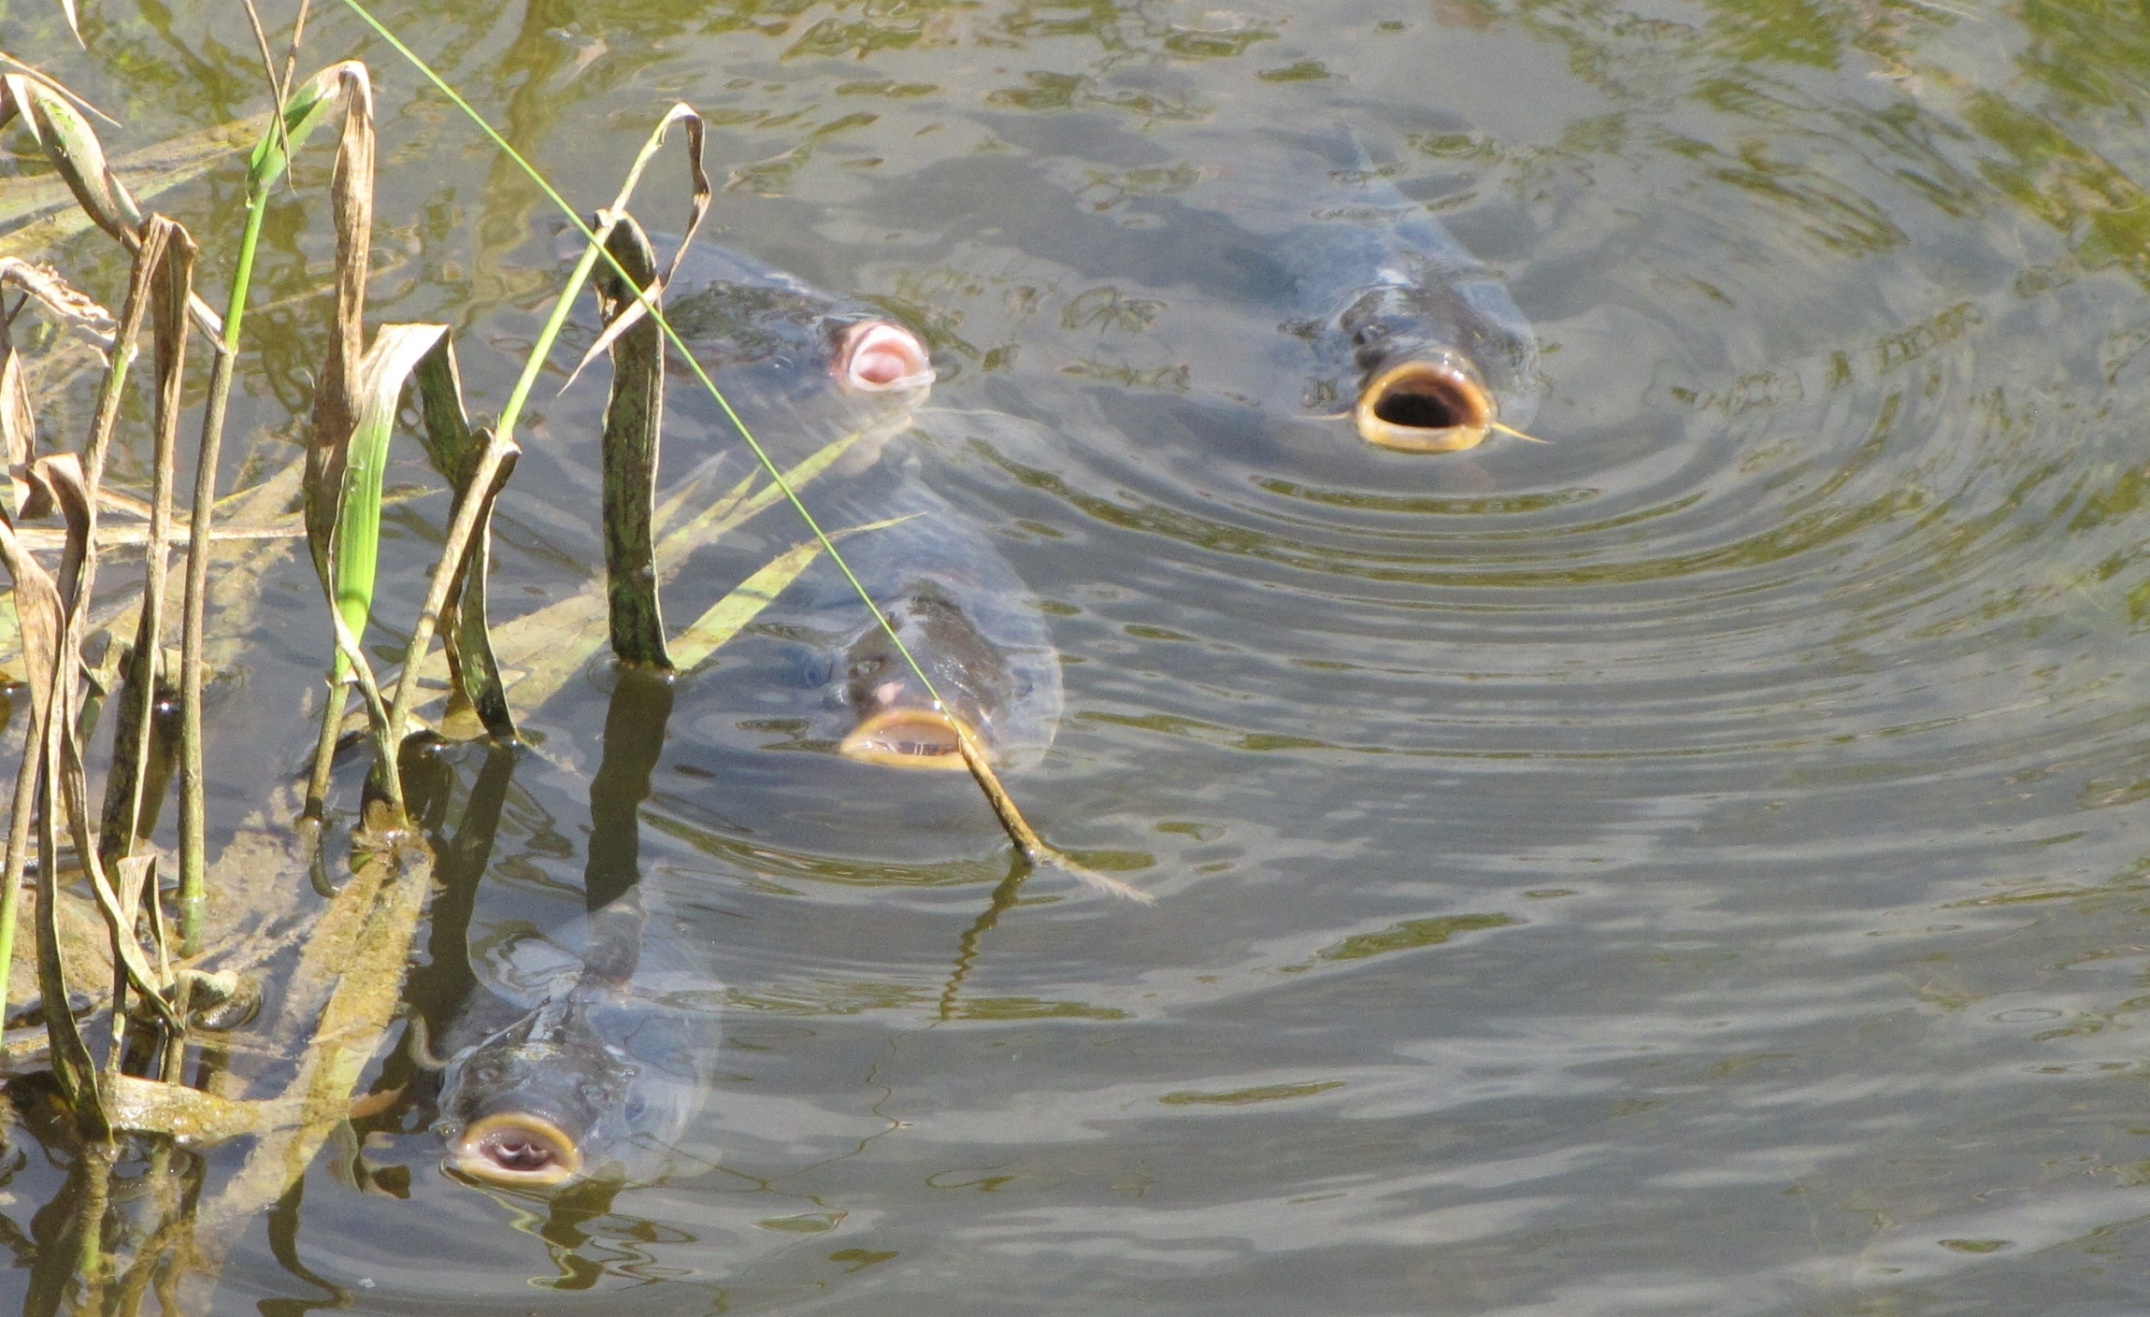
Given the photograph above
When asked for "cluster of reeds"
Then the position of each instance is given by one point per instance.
(163, 960)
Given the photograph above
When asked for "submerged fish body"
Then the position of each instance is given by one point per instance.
(959, 609)
(803, 368)
(597, 1080)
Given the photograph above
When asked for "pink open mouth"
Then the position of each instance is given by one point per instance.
(515, 1150)
(877, 356)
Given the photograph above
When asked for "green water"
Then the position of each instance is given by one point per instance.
(1696, 865)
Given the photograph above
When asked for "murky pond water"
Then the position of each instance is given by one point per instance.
(1696, 864)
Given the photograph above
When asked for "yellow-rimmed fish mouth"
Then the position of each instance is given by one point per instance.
(515, 1150)
(880, 356)
(906, 738)
(1425, 407)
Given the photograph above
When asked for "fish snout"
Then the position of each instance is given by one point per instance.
(904, 735)
(880, 356)
(1431, 405)
(515, 1149)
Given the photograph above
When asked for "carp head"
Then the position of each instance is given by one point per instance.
(900, 725)
(531, 1106)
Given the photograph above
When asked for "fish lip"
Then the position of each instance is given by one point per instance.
(1445, 387)
(876, 738)
(470, 1152)
(881, 356)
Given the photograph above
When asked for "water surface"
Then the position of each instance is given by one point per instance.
(1693, 865)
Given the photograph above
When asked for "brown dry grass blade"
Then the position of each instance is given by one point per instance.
(50, 611)
(336, 391)
(634, 421)
(66, 305)
(42, 615)
(697, 210)
(167, 246)
(63, 475)
(475, 690)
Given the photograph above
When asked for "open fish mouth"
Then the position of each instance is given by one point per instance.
(906, 738)
(879, 356)
(515, 1150)
(1437, 406)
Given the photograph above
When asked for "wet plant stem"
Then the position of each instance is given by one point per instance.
(193, 809)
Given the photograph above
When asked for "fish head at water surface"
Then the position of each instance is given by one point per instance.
(898, 722)
(1421, 388)
(548, 1100)
(1433, 363)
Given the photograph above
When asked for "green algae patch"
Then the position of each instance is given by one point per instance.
(1412, 934)
(1248, 1096)
(1031, 1008)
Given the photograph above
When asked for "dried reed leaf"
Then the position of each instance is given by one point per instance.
(66, 305)
(172, 250)
(336, 389)
(475, 690)
(44, 211)
(63, 475)
(697, 210)
(49, 609)
(62, 302)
